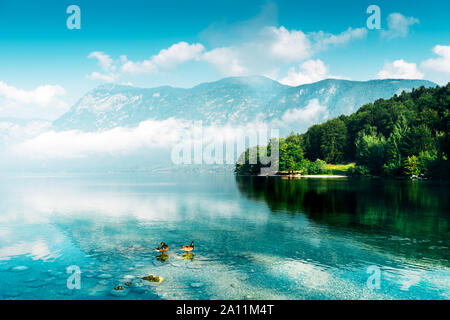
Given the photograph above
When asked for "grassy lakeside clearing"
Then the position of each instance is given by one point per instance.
(327, 171)
(340, 169)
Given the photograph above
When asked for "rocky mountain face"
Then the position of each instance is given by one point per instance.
(235, 100)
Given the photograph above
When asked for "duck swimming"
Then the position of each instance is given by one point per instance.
(189, 247)
(163, 248)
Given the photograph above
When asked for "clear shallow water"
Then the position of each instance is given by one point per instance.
(256, 238)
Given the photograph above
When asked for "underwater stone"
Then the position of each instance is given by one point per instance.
(119, 291)
(152, 278)
(20, 268)
(196, 285)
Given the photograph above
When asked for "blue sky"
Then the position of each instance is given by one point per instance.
(45, 67)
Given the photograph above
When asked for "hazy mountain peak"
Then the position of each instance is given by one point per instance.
(235, 100)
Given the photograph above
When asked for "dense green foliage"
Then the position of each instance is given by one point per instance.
(405, 135)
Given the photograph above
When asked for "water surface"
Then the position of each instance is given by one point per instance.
(255, 238)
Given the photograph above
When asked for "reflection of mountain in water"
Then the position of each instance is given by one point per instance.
(413, 217)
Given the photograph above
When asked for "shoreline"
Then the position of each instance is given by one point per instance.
(299, 176)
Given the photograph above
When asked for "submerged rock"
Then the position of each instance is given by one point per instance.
(196, 285)
(20, 268)
(152, 278)
(119, 291)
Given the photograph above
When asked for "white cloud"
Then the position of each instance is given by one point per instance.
(42, 102)
(13, 131)
(287, 45)
(148, 135)
(398, 26)
(42, 96)
(103, 77)
(120, 140)
(177, 54)
(313, 112)
(104, 60)
(146, 66)
(273, 48)
(325, 40)
(310, 71)
(267, 50)
(441, 64)
(226, 60)
(400, 69)
(168, 58)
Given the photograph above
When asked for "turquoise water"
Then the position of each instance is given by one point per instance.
(255, 238)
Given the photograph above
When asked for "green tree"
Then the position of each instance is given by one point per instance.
(291, 155)
(371, 150)
(412, 166)
(333, 141)
(393, 152)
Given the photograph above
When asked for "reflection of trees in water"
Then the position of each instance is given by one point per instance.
(407, 209)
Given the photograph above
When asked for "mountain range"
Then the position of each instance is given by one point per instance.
(234, 100)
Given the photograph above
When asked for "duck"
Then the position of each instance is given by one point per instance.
(188, 247)
(163, 248)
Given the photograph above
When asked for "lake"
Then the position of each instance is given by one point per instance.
(255, 237)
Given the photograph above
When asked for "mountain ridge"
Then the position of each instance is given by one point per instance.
(231, 100)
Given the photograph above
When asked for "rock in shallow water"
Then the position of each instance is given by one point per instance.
(119, 293)
(152, 278)
(20, 268)
(196, 285)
